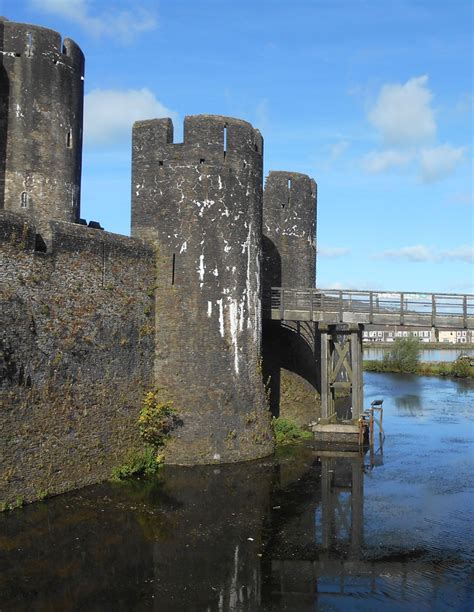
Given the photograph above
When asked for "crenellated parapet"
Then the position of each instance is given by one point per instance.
(200, 203)
(229, 146)
(41, 103)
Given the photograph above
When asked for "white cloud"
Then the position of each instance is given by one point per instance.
(421, 253)
(405, 120)
(332, 252)
(439, 162)
(361, 285)
(381, 161)
(338, 149)
(110, 113)
(462, 253)
(123, 25)
(409, 253)
(402, 112)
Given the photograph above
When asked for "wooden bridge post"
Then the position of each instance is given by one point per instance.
(325, 367)
(357, 382)
(337, 358)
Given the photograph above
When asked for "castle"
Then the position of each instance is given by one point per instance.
(91, 321)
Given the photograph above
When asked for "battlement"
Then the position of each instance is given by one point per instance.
(21, 40)
(20, 233)
(287, 187)
(207, 138)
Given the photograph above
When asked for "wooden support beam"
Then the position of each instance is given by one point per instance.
(357, 383)
(325, 391)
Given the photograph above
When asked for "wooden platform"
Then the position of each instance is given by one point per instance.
(337, 432)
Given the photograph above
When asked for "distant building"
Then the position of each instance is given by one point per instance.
(389, 333)
(462, 336)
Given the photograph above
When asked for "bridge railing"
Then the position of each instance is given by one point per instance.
(384, 307)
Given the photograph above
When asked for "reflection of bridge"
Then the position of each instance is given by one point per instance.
(334, 567)
(340, 316)
(439, 310)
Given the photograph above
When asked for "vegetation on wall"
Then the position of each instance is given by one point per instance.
(156, 420)
(288, 432)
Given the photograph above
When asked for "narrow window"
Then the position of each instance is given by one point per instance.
(289, 190)
(225, 140)
(173, 268)
(69, 139)
(202, 160)
(24, 199)
(29, 44)
(160, 162)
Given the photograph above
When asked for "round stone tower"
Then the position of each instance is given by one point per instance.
(200, 202)
(290, 348)
(289, 227)
(41, 108)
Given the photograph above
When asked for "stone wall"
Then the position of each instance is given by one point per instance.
(76, 354)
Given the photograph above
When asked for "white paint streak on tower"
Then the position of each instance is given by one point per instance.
(201, 270)
(234, 326)
(221, 317)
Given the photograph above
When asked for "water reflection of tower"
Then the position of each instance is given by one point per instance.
(208, 559)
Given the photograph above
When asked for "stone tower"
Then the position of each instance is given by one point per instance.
(289, 227)
(41, 108)
(200, 203)
(289, 261)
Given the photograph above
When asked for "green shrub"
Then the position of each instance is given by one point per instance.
(143, 463)
(462, 368)
(372, 365)
(287, 432)
(157, 418)
(404, 356)
(444, 369)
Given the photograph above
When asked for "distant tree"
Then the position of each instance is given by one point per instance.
(404, 356)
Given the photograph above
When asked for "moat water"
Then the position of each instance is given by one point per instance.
(303, 531)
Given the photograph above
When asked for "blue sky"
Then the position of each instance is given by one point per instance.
(372, 98)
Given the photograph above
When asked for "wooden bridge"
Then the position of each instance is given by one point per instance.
(339, 317)
(329, 306)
